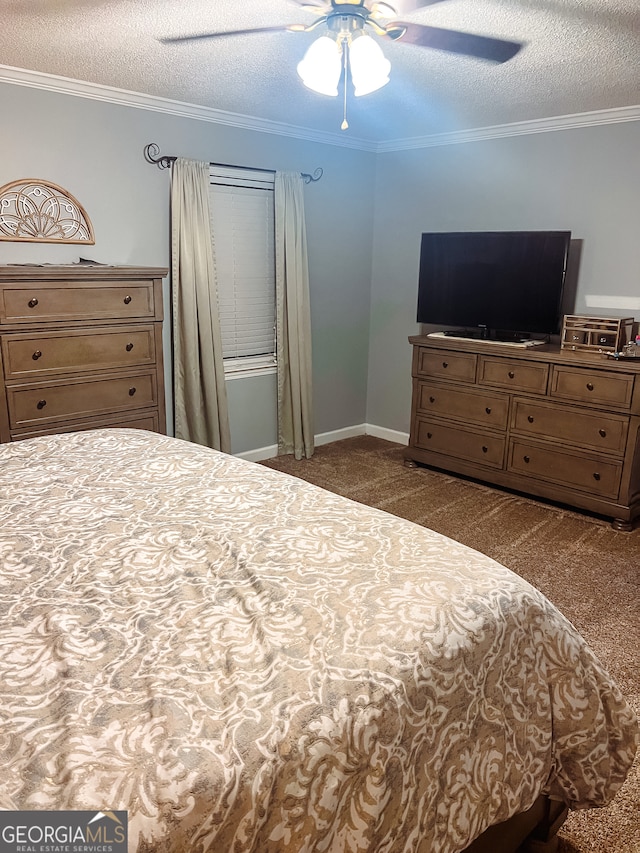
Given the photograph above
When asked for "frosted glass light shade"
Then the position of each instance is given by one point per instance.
(369, 66)
(321, 67)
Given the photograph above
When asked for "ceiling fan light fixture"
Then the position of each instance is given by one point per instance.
(321, 67)
(369, 66)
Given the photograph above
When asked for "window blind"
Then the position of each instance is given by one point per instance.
(242, 228)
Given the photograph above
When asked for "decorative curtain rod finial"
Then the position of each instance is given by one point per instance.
(152, 155)
(164, 161)
(309, 179)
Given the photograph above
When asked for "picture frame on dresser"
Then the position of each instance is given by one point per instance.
(80, 348)
(547, 422)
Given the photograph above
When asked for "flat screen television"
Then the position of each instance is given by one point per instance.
(500, 285)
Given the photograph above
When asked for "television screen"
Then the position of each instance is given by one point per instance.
(493, 284)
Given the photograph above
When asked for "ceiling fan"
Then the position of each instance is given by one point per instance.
(347, 45)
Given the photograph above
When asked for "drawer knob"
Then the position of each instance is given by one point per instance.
(129, 347)
(37, 354)
(530, 418)
(596, 476)
(445, 364)
(589, 386)
(32, 302)
(41, 404)
(127, 300)
(602, 433)
(488, 410)
(527, 459)
(132, 391)
(429, 435)
(485, 449)
(511, 374)
(432, 399)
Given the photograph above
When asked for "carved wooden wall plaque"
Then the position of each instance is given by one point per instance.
(38, 211)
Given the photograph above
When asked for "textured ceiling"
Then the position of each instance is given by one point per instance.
(579, 56)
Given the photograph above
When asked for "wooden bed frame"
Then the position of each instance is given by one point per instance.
(533, 831)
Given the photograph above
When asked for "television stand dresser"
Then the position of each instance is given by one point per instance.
(546, 422)
(80, 348)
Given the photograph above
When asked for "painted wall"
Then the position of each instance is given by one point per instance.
(94, 150)
(364, 220)
(584, 180)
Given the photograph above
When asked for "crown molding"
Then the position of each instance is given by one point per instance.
(123, 97)
(521, 128)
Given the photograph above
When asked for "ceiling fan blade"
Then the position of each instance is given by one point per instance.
(467, 44)
(197, 36)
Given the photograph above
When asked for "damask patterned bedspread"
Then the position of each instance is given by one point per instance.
(246, 662)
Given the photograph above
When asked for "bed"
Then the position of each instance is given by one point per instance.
(245, 662)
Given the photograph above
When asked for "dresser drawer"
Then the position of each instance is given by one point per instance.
(598, 387)
(146, 420)
(459, 442)
(598, 430)
(45, 402)
(445, 364)
(473, 407)
(41, 353)
(75, 300)
(513, 374)
(593, 475)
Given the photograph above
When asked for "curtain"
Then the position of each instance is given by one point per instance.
(293, 321)
(201, 413)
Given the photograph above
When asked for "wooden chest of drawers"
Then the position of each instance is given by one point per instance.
(80, 348)
(550, 423)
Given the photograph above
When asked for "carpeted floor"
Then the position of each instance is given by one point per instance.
(588, 570)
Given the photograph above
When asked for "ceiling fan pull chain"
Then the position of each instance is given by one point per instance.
(345, 123)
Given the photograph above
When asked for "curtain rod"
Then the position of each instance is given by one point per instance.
(164, 161)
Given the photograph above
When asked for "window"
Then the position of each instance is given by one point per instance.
(242, 227)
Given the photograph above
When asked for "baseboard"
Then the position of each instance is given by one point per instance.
(339, 434)
(269, 452)
(388, 434)
(259, 454)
